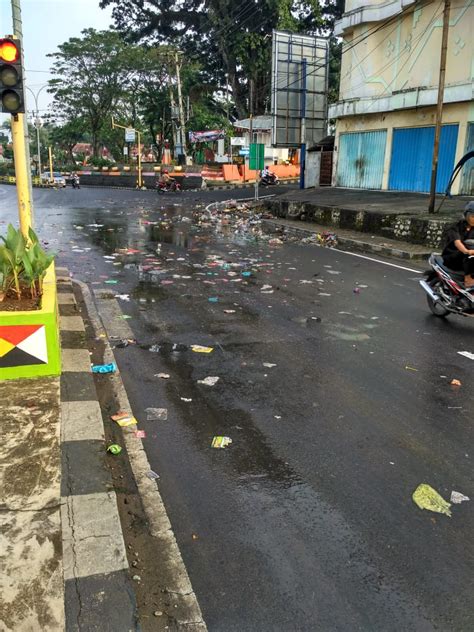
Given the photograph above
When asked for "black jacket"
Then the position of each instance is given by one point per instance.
(461, 231)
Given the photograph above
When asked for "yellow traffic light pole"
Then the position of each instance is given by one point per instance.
(21, 174)
(140, 179)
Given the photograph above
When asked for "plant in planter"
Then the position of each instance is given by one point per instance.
(23, 265)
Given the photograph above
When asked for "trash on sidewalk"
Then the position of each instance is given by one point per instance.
(209, 381)
(153, 476)
(458, 498)
(163, 376)
(455, 382)
(156, 414)
(467, 354)
(428, 498)
(200, 349)
(221, 442)
(114, 449)
(124, 419)
(104, 368)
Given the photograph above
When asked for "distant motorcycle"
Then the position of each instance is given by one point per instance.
(75, 182)
(165, 187)
(269, 179)
(445, 291)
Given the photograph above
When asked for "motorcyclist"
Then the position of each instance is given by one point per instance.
(266, 174)
(165, 178)
(458, 253)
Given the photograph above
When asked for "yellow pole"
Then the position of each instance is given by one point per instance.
(51, 178)
(21, 174)
(139, 161)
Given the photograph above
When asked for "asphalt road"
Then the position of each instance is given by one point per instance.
(306, 521)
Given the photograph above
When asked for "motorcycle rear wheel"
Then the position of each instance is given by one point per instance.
(436, 307)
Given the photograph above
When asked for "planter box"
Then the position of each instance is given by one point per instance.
(29, 341)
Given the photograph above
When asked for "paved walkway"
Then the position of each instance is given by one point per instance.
(385, 202)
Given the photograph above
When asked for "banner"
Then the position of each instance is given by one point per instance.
(206, 137)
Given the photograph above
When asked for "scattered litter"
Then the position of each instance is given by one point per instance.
(246, 274)
(277, 416)
(455, 382)
(266, 287)
(114, 449)
(268, 365)
(104, 368)
(156, 414)
(121, 344)
(195, 536)
(410, 368)
(140, 434)
(200, 349)
(213, 299)
(356, 290)
(229, 311)
(111, 282)
(428, 498)
(209, 381)
(457, 498)
(153, 475)
(126, 317)
(124, 419)
(221, 442)
(186, 399)
(123, 297)
(164, 376)
(467, 354)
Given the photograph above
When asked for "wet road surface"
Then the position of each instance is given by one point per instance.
(306, 521)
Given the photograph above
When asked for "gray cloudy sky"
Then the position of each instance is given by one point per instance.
(47, 23)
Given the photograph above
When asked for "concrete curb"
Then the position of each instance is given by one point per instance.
(98, 589)
(103, 310)
(354, 244)
(247, 185)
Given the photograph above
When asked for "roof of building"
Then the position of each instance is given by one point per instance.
(261, 122)
(325, 143)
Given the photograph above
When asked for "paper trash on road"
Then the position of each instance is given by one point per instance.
(156, 414)
(124, 419)
(200, 349)
(268, 365)
(467, 354)
(428, 498)
(221, 442)
(457, 498)
(455, 382)
(209, 381)
(164, 376)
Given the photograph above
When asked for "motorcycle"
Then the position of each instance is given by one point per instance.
(165, 187)
(445, 291)
(75, 183)
(269, 179)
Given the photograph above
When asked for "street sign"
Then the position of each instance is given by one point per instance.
(245, 151)
(129, 135)
(257, 156)
(237, 141)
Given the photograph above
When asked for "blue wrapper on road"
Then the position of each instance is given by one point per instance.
(104, 368)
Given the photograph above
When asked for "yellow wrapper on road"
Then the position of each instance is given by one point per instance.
(428, 498)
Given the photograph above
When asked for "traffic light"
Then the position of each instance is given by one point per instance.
(12, 99)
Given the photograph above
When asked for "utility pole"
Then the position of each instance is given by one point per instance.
(182, 121)
(21, 144)
(250, 121)
(439, 109)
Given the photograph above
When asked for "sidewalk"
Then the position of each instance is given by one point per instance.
(392, 215)
(63, 557)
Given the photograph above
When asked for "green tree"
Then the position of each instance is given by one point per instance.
(231, 41)
(91, 75)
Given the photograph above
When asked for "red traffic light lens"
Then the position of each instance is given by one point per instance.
(8, 51)
(11, 101)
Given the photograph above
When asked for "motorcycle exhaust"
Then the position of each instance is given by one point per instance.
(429, 290)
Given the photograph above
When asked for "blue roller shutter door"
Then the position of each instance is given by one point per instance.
(361, 159)
(412, 155)
(467, 178)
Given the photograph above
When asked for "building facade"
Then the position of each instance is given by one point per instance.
(388, 92)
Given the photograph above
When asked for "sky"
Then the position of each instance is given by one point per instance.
(46, 24)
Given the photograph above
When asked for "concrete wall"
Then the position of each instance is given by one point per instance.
(461, 113)
(404, 54)
(313, 169)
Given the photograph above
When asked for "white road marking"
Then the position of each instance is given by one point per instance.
(385, 263)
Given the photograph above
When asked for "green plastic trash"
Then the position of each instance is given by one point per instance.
(114, 449)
